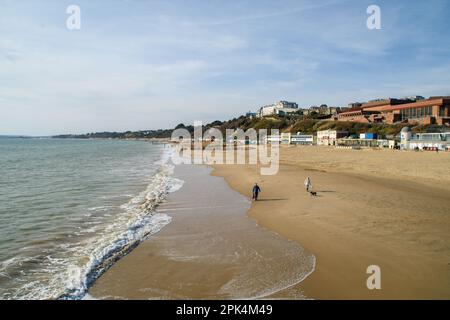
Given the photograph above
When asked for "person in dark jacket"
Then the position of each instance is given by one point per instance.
(256, 191)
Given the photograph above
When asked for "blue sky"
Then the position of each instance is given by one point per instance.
(139, 64)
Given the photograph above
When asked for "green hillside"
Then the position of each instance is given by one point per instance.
(293, 124)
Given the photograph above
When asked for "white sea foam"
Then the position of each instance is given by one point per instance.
(140, 219)
(68, 271)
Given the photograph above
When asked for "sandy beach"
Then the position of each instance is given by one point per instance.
(374, 207)
(210, 250)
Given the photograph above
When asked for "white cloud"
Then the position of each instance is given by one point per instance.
(138, 65)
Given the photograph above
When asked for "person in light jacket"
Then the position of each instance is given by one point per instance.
(308, 184)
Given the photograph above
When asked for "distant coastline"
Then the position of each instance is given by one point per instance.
(14, 137)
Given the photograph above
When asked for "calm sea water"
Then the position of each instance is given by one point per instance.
(70, 208)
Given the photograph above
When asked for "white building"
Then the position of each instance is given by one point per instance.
(274, 138)
(286, 138)
(289, 138)
(279, 108)
(302, 139)
(266, 111)
(424, 141)
(329, 137)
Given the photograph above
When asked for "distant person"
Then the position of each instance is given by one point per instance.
(308, 184)
(256, 191)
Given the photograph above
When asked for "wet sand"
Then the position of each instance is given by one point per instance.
(210, 250)
(374, 207)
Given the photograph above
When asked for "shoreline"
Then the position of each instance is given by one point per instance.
(401, 224)
(210, 250)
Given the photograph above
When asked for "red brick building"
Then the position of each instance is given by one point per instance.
(435, 110)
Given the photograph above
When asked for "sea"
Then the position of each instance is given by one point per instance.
(70, 208)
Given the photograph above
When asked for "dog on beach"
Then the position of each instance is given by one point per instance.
(313, 193)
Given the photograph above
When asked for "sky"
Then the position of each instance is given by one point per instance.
(137, 65)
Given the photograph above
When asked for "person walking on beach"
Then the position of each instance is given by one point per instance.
(256, 191)
(308, 184)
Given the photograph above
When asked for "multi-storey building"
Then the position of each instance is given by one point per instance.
(329, 137)
(435, 110)
(279, 108)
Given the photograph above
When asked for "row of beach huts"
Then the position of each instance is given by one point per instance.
(407, 140)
